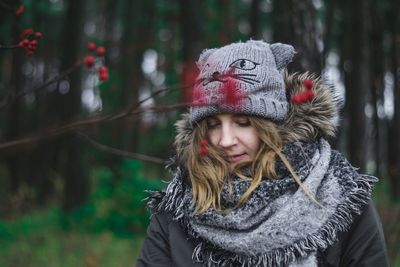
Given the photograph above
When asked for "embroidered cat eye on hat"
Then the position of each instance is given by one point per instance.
(242, 78)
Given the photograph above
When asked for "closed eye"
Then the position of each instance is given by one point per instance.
(212, 123)
(242, 121)
(244, 64)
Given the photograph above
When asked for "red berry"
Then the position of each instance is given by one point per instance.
(25, 33)
(89, 60)
(103, 76)
(103, 69)
(308, 84)
(298, 99)
(26, 42)
(203, 147)
(21, 44)
(100, 51)
(310, 95)
(203, 150)
(29, 53)
(38, 35)
(34, 43)
(20, 10)
(91, 46)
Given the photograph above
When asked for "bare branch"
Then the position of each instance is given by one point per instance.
(57, 131)
(53, 80)
(120, 152)
(8, 46)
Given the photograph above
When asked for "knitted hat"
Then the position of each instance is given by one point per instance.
(242, 78)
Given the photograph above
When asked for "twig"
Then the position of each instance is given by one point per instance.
(11, 96)
(8, 46)
(57, 131)
(53, 80)
(120, 152)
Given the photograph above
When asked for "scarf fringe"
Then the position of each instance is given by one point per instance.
(326, 236)
(171, 201)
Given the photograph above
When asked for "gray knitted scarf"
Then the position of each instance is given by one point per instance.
(279, 225)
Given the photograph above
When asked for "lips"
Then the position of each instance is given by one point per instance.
(236, 158)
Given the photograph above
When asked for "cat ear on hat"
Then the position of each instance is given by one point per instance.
(283, 54)
(204, 56)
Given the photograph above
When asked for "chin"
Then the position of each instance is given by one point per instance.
(242, 164)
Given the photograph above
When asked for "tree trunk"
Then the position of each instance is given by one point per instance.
(15, 113)
(225, 32)
(255, 19)
(69, 105)
(133, 44)
(357, 86)
(192, 40)
(192, 29)
(328, 29)
(294, 23)
(377, 70)
(394, 129)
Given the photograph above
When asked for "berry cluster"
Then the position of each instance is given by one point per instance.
(99, 51)
(29, 41)
(306, 95)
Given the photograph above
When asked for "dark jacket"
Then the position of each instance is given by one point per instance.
(363, 245)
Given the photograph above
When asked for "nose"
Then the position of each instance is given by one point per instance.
(227, 138)
(215, 75)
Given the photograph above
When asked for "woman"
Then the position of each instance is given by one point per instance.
(255, 183)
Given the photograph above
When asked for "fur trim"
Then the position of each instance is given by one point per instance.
(314, 119)
(183, 138)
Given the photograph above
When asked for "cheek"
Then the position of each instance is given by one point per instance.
(213, 137)
(253, 141)
(255, 144)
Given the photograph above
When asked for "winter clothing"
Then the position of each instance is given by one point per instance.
(278, 225)
(167, 244)
(256, 66)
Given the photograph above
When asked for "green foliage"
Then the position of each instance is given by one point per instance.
(36, 240)
(115, 204)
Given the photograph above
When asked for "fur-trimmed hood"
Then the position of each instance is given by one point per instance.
(307, 121)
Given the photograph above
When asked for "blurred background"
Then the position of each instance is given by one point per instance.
(89, 92)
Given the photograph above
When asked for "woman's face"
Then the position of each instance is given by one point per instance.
(234, 135)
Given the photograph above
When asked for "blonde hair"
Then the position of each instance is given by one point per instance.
(208, 173)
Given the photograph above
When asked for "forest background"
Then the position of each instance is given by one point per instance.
(89, 92)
